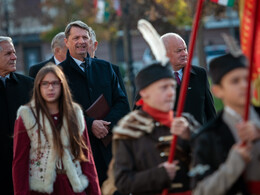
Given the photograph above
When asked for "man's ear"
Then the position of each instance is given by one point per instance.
(217, 90)
(95, 45)
(57, 50)
(143, 93)
(66, 42)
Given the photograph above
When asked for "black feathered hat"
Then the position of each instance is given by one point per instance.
(220, 66)
(152, 73)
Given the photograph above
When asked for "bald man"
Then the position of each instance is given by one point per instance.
(199, 101)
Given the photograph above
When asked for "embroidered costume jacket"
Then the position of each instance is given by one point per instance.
(39, 169)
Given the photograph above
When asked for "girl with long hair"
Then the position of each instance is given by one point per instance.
(52, 152)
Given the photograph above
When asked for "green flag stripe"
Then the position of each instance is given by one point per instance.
(231, 3)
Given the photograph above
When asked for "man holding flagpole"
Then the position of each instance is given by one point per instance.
(142, 139)
(227, 149)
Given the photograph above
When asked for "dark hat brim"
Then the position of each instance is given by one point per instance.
(151, 74)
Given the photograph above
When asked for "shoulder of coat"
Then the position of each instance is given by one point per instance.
(134, 125)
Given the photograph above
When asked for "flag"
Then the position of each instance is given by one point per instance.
(102, 14)
(95, 2)
(229, 3)
(101, 11)
(107, 13)
(117, 7)
(248, 19)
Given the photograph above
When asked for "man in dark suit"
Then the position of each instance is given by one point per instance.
(93, 44)
(89, 78)
(59, 50)
(199, 101)
(14, 91)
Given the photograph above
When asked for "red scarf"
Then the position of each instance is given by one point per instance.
(164, 118)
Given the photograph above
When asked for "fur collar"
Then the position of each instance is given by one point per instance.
(77, 180)
(134, 125)
(26, 113)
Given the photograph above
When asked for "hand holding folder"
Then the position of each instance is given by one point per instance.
(98, 110)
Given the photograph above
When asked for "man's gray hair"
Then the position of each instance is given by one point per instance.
(58, 41)
(5, 39)
(78, 24)
(92, 34)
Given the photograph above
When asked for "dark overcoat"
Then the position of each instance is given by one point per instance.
(35, 68)
(120, 79)
(199, 101)
(16, 93)
(86, 87)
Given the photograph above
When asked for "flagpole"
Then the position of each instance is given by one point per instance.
(185, 80)
(251, 61)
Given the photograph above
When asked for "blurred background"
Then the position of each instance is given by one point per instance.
(33, 23)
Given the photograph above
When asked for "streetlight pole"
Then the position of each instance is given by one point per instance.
(128, 46)
(6, 15)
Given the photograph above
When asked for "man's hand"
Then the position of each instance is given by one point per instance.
(100, 128)
(180, 127)
(170, 168)
(247, 131)
(244, 150)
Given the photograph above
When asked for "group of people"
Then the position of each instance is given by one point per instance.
(218, 156)
(51, 144)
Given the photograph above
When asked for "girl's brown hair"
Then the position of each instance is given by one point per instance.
(65, 110)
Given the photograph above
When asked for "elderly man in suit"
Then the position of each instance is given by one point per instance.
(14, 91)
(199, 101)
(88, 79)
(59, 50)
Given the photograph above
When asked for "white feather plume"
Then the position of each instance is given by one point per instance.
(153, 39)
(232, 45)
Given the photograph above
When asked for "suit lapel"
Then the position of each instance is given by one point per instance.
(75, 66)
(52, 60)
(192, 74)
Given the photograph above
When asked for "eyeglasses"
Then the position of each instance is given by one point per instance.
(54, 84)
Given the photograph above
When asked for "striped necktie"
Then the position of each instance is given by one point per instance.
(83, 65)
